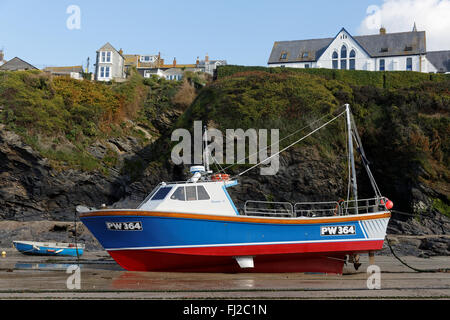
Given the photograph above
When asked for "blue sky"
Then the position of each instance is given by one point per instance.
(242, 32)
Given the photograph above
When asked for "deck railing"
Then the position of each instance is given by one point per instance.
(314, 209)
(268, 208)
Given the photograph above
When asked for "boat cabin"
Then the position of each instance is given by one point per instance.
(202, 194)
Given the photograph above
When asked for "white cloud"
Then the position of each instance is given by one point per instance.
(432, 16)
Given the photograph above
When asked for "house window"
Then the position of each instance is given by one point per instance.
(335, 60)
(343, 52)
(105, 72)
(343, 57)
(105, 56)
(408, 64)
(352, 60)
(382, 65)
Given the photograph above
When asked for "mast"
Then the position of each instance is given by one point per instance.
(352, 158)
(205, 150)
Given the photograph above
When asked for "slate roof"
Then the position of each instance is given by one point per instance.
(396, 44)
(440, 60)
(108, 47)
(17, 64)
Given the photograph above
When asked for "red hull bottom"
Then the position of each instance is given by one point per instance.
(148, 260)
(324, 258)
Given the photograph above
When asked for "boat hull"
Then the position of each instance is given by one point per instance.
(161, 241)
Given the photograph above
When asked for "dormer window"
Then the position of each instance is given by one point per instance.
(305, 55)
(384, 50)
(283, 55)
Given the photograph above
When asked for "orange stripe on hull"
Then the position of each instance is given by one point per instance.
(235, 218)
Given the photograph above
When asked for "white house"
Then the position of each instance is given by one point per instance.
(379, 52)
(109, 64)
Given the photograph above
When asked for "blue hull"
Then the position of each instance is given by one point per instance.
(26, 248)
(161, 241)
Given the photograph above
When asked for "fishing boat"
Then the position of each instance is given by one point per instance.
(194, 226)
(49, 248)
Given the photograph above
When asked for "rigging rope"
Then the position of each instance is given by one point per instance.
(284, 149)
(288, 136)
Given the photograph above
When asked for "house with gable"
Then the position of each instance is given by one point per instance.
(17, 64)
(380, 52)
(110, 64)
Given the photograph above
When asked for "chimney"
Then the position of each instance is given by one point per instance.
(121, 51)
(2, 55)
(174, 62)
(206, 59)
(197, 62)
(382, 30)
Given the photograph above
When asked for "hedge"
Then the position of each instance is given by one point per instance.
(380, 79)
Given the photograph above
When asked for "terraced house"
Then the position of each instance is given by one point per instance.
(379, 52)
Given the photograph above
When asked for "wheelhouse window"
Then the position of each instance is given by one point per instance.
(191, 193)
(352, 60)
(335, 60)
(382, 65)
(408, 64)
(202, 194)
(178, 194)
(161, 193)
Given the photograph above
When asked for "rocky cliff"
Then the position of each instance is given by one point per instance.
(405, 133)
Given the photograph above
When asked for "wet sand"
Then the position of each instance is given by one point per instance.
(37, 277)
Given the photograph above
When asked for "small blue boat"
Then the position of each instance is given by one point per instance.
(49, 248)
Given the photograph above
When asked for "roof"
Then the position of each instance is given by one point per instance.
(64, 69)
(311, 50)
(108, 47)
(396, 43)
(440, 60)
(17, 64)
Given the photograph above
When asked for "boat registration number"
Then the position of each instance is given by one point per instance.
(337, 230)
(124, 226)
